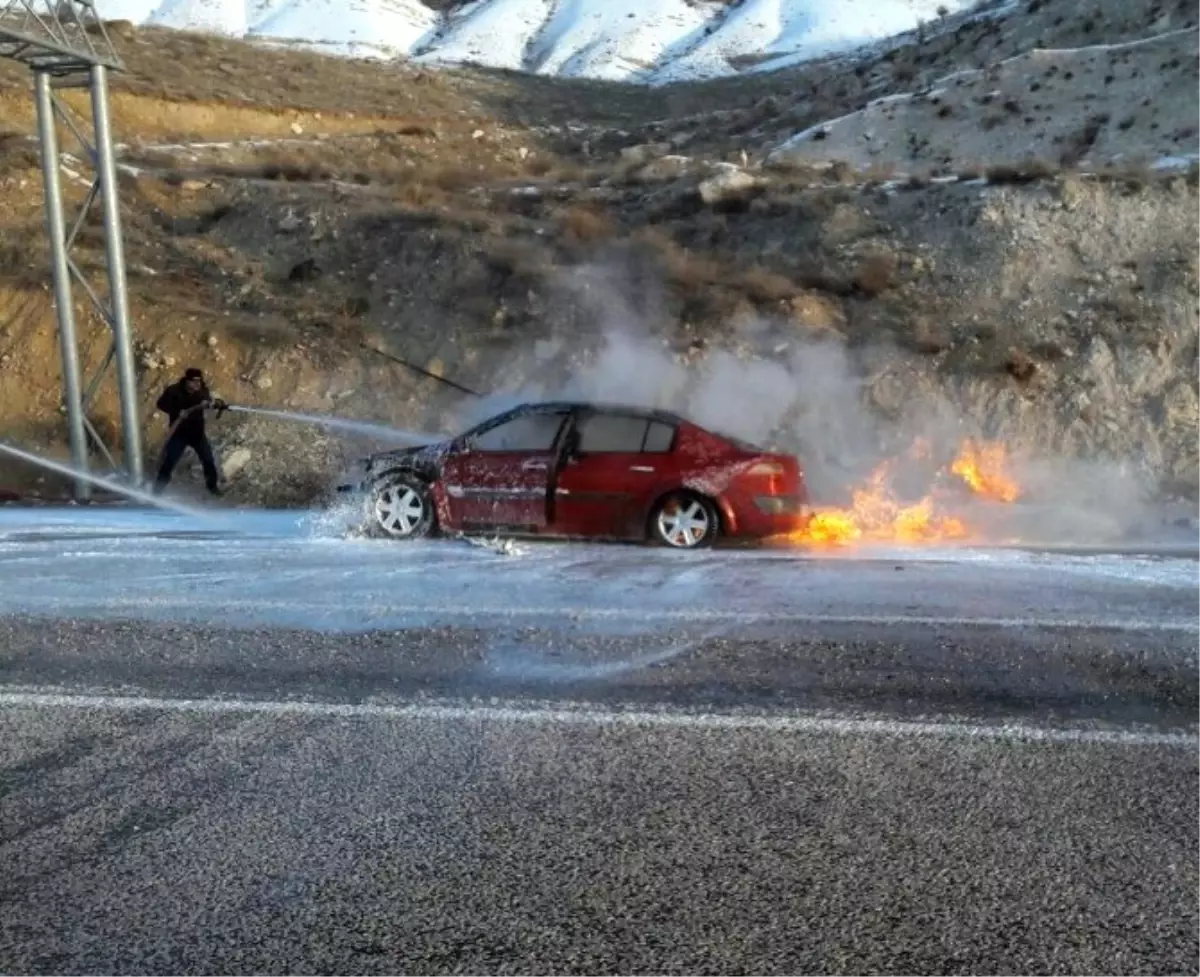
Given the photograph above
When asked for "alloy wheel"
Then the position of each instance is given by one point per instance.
(399, 509)
(684, 523)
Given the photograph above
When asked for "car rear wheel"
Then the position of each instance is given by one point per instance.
(684, 521)
(401, 507)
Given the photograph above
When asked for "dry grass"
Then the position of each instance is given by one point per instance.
(876, 274)
(516, 258)
(1020, 365)
(407, 242)
(1125, 305)
(453, 160)
(680, 267)
(763, 286)
(879, 173)
(584, 225)
(1029, 171)
(191, 67)
(17, 152)
(929, 335)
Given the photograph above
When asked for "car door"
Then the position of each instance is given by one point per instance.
(500, 474)
(606, 475)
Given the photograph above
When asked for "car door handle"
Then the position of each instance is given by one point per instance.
(640, 468)
(534, 466)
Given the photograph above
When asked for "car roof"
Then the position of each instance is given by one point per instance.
(649, 413)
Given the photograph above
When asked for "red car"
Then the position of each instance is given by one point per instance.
(585, 470)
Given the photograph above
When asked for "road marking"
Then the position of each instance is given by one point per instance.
(375, 607)
(580, 714)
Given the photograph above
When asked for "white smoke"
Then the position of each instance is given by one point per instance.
(807, 396)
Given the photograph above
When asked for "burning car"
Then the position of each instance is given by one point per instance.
(582, 470)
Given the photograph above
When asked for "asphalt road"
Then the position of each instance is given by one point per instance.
(296, 802)
(284, 754)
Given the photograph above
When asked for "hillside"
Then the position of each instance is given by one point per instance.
(298, 225)
(619, 40)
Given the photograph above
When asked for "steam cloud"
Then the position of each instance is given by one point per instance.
(807, 397)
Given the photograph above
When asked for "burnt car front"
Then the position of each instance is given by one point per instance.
(424, 459)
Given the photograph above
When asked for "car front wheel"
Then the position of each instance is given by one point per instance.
(684, 521)
(401, 507)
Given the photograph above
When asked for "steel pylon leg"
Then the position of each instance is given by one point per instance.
(56, 229)
(106, 171)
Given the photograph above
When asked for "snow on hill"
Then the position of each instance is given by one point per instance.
(774, 33)
(355, 27)
(652, 41)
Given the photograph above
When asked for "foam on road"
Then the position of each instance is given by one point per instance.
(250, 745)
(289, 569)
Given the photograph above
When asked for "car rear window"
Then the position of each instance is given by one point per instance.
(659, 437)
(611, 432)
(623, 433)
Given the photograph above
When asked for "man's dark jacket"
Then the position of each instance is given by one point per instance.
(177, 398)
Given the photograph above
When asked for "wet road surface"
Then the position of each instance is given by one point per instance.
(273, 751)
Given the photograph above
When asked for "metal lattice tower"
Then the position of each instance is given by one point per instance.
(65, 45)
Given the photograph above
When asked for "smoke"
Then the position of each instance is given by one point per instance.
(1081, 500)
(841, 412)
(777, 390)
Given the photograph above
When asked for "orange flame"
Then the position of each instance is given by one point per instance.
(876, 514)
(984, 467)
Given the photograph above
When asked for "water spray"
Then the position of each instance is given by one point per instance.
(137, 495)
(106, 483)
(382, 432)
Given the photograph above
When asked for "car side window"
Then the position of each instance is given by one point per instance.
(529, 432)
(607, 433)
(659, 438)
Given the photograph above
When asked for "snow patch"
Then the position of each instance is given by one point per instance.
(497, 34)
(654, 41)
(1186, 162)
(618, 40)
(350, 26)
(135, 11)
(209, 16)
(765, 30)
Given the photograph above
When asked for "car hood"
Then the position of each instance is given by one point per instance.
(418, 452)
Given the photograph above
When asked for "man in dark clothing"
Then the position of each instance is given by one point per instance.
(184, 403)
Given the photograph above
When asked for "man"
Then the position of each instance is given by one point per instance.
(184, 403)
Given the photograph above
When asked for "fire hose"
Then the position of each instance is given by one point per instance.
(216, 404)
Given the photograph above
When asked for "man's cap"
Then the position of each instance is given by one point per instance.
(191, 373)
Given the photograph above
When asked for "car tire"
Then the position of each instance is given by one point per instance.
(400, 506)
(684, 521)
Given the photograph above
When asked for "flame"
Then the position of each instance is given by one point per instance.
(985, 468)
(876, 514)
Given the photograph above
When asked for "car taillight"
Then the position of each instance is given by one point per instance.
(766, 468)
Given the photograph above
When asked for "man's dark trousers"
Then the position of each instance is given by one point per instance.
(177, 444)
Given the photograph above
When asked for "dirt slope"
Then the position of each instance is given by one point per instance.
(1087, 107)
(295, 223)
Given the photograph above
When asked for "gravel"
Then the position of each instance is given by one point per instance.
(182, 840)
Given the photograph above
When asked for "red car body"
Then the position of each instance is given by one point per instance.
(598, 471)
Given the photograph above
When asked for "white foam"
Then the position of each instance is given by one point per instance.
(297, 569)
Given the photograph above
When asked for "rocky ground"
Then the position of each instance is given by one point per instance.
(323, 235)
